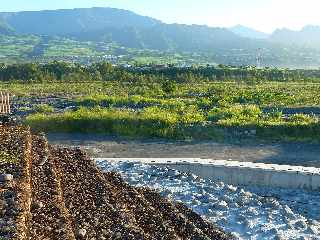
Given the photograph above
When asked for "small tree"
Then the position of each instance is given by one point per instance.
(168, 87)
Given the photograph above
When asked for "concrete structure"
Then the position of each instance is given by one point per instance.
(239, 173)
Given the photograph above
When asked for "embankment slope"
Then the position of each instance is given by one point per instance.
(59, 193)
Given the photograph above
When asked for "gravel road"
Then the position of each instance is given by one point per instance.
(301, 154)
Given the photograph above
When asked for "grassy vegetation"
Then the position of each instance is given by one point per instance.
(13, 48)
(191, 106)
(182, 122)
(181, 118)
(26, 48)
(272, 94)
(151, 122)
(44, 108)
(68, 47)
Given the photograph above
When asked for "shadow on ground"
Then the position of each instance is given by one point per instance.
(301, 154)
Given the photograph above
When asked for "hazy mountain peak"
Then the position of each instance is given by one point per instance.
(247, 32)
(308, 36)
(309, 28)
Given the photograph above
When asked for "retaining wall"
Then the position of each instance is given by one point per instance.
(239, 173)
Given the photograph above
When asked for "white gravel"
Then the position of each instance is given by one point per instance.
(249, 213)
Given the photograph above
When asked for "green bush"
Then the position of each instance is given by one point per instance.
(44, 108)
(169, 87)
(274, 115)
(237, 114)
(302, 119)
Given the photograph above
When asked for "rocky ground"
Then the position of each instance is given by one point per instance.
(59, 193)
(250, 212)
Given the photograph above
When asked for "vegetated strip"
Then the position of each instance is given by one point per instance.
(158, 123)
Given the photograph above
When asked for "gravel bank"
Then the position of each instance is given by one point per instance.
(249, 213)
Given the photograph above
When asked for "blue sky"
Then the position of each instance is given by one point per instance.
(265, 15)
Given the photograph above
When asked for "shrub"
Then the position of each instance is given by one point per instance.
(274, 115)
(237, 114)
(169, 87)
(44, 108)
(301, 119)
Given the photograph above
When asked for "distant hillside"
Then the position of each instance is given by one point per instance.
(125, 28)
(308, 36)
(5, 29)
(108, 33)
(248, 32)
(62, 22)
(171, 37)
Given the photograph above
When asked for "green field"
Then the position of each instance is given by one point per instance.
(30, 48)
(192, 103)
(203, 111)
(269, 94)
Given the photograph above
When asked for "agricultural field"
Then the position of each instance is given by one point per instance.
(197, 103)
(219, 111)
(16, 48)
(68, 47)
(43, 49)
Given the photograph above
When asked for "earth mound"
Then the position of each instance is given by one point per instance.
(59, 193)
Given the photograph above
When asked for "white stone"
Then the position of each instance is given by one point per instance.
(300, 225)
(82, 233)
(6, 177)
(222, 205)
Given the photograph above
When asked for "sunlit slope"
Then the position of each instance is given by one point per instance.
(61, 194)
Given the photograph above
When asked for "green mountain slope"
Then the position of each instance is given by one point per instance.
(123, 27)
(86, 35)
(5, 29)
(62, 22)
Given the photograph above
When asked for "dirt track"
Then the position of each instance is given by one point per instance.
(301, 154)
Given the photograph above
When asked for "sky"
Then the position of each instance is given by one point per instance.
(264, 15)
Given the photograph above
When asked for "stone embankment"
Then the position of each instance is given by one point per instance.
(52, 193)
(239, 173)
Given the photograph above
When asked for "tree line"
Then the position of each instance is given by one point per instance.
(104, 71)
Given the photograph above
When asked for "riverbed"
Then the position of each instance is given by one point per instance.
(248, 213)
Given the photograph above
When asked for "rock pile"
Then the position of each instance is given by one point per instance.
(49, 193)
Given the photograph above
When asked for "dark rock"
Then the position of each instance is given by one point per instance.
(7, 120)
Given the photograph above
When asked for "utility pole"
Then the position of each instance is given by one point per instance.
(259, 58)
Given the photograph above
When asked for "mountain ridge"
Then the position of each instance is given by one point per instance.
(67, 22)
(120, 25)
(53, 22)
(123, 27)
(247, 32)
(308, 36)
(95, 31)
